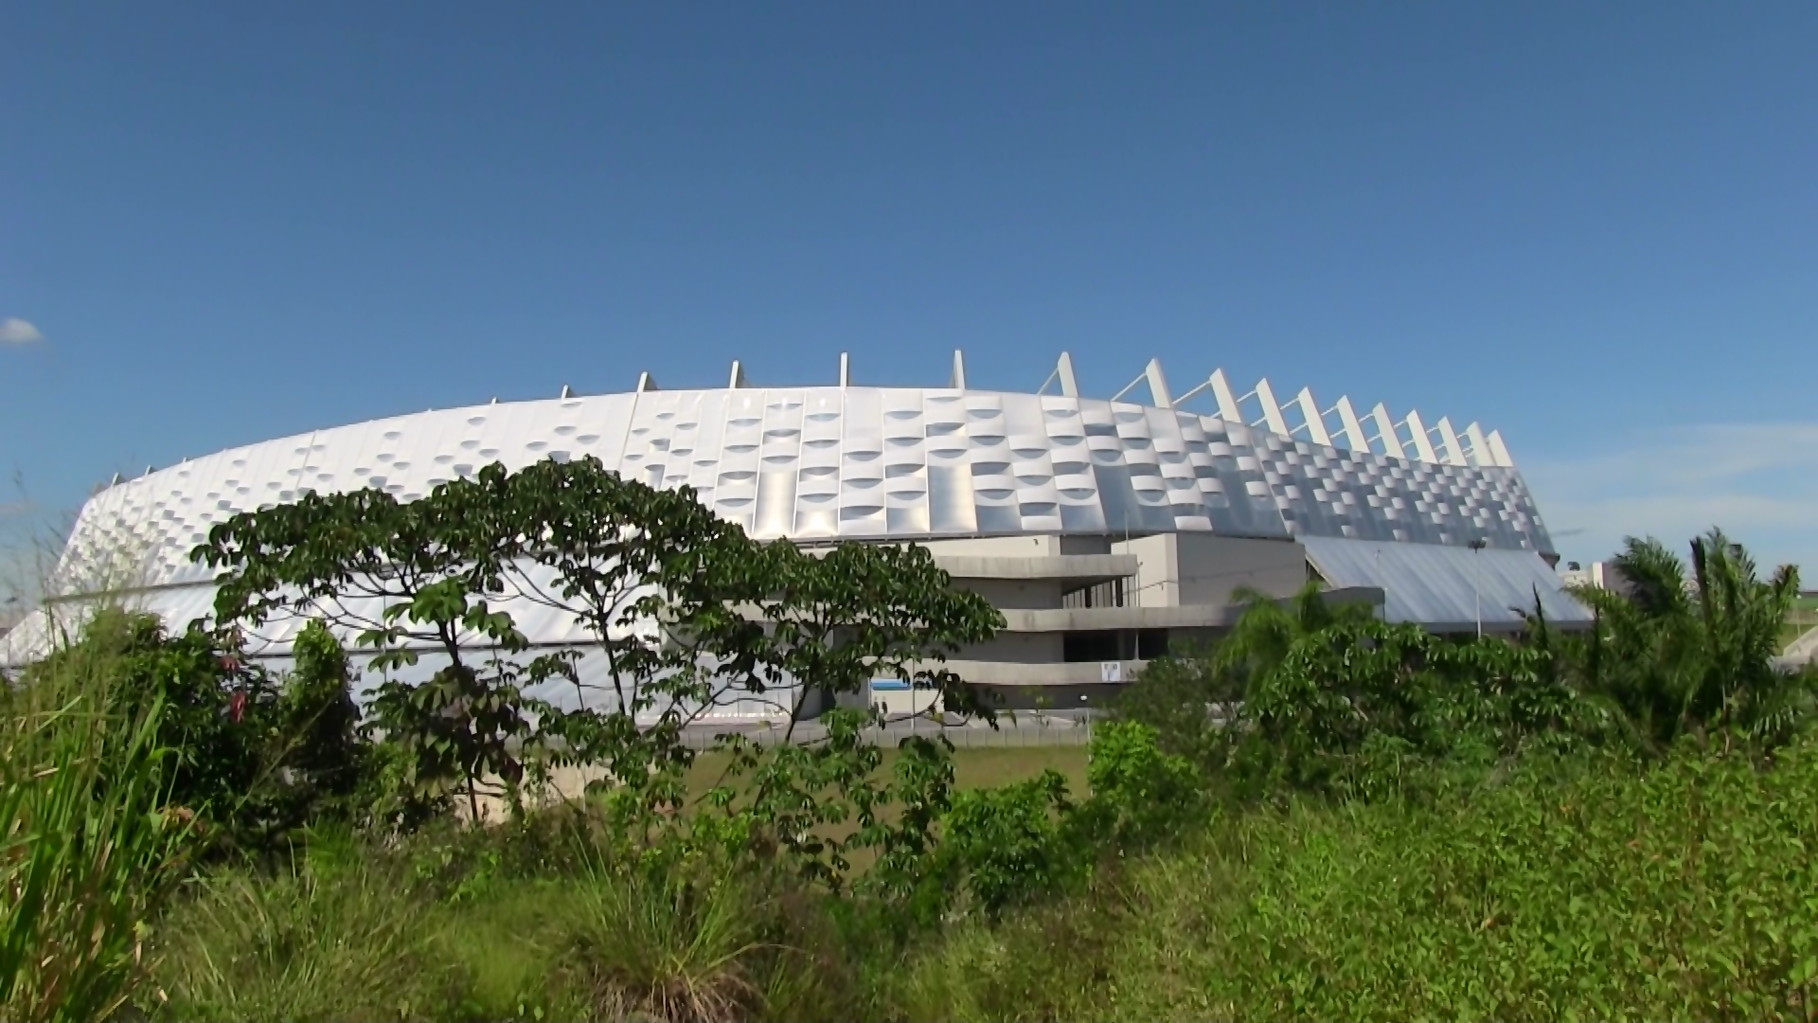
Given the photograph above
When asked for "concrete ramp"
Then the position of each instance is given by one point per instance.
(1802, 651)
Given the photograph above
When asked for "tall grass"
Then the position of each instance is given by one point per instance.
(348, 946)
(87, 858)
(1587, 890)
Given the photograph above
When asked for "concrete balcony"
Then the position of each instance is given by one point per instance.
(1192, 616)
(1075, 568)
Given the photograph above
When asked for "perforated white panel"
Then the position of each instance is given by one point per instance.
(828, 462)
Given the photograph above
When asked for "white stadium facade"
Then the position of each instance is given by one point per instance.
(1106, 530)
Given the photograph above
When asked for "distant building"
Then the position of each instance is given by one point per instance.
(1603, 575)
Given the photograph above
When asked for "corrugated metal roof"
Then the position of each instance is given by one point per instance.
(1447, 587)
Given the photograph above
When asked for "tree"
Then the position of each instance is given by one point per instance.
(1186, 697)
(682, 609)
(1683, 652)
(1268, 629)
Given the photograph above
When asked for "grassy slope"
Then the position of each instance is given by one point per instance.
(1587, 890)
(1686, 893)
(973, 766)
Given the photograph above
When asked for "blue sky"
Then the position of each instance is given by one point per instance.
(1594, 226)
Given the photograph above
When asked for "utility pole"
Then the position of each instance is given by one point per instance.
(1477, 547)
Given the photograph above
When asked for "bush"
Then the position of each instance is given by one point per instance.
(1140, 795)
(687, 945)
(1577, 887)
(253, 757)
(1004, 846)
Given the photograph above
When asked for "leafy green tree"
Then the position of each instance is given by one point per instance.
(686, 611)
(1187, 698)
(1267, 631)
(1690, 652)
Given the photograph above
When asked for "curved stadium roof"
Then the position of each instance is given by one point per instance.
(849, 461)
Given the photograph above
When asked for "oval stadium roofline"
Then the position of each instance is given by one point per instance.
(1303, 416)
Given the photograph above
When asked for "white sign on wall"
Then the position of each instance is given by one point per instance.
(1111, 671)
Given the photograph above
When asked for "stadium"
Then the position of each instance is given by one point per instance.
(1107, 530)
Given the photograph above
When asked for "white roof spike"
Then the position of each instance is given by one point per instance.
(1350, 426)
(1480, 447)
(1386, 434)
(958, 382)
(737, 379)
(1157, 384)
(1418, 436)
(1271, 411)
(1314, 419)
(1228, 409)
(845, 369)
(1451, 450)
(1500, 450)
(646, 382)
(566, 392)
(1063, 373)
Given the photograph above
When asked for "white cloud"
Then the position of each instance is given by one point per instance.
(1758, 481)
(14, 331)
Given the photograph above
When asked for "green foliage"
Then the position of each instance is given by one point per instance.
(672, 946)
(86, 856)
(1004, 846)
(1182, 699)
(351, 946)
(216, 719)
(685, 610)
(254, 758)
(1269, 630)
(1347, 709)
(1140, 795)
(1579, 887)
(1694, 656)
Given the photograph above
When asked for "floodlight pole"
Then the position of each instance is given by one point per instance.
(1477, 547)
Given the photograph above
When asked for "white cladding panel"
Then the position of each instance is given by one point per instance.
(844, 462)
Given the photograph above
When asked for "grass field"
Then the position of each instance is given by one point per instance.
(973, 767)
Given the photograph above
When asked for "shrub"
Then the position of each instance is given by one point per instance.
(1140, 795)
(255, 758)
(1004, 846)
(1580, 886)
(685, 946)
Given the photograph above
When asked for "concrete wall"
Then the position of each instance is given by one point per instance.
(1178, 569)
(1001, 547)
(1016, 647)
(1016, 593)
(1157, 580)
(1212, 568)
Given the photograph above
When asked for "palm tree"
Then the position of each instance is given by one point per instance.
(1269, 627)
(1682, 652)
(1186, 697)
